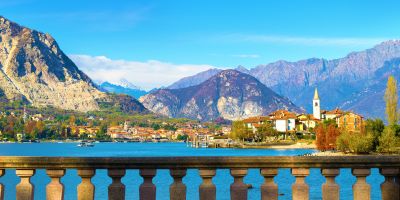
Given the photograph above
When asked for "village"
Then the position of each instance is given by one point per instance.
(284, 126)
(283, 122)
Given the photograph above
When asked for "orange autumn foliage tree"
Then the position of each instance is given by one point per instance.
(326, 136)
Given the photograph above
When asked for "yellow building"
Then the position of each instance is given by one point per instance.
(350, 121)
(306, 122)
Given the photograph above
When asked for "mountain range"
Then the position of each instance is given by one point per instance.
(34, 69)
(229, 94)
(339, 81)
(123, 87)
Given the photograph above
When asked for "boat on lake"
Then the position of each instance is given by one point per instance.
(86, 144)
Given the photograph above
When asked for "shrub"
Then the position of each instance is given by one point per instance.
(361, 143)
(342, 142)
(388, 141)
(356, 142)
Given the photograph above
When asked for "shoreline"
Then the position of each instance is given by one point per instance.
(281, 146)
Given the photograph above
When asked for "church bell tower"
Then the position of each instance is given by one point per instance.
(316, 105)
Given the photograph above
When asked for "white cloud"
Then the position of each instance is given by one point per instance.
(308, 41)
(147, 75)
(246, 55)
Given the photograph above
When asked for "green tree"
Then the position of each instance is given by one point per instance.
(388, 141)
(265, 130)
(238, 130)
(391, 99)
(374, 127)
(182, 137)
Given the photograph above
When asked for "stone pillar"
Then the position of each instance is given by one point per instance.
(238, 188)
(361, 189)
(55, 189)
(389, 188)
(177, 190)
(269, 190)
(300, 189)
(207, 190)
(25, 188)
(330, 190)
(86, 187)
(2, 188)
(116, 190)
(147, 189)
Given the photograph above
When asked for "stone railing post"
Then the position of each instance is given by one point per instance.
(2, 187)
(389, 188)
(86, 187)
(177, 190)
(116, 190)
(238, 188)
(55, 189)
(25, 188)
(300, 189)
(330, 190)
(269, 190)
(207, 190)
(361, 189)
(147, 189)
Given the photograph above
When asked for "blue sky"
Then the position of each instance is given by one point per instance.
(178, 38)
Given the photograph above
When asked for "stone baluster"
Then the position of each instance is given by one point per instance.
(147, 189)
(330, 190)
(390, 188)
(2, 188)
(55, 189)
(238, 188)
(269, 190)
(361, 189)
(116, 190)
(207, 190)
(86, 187)
(177, 190)
(300, 189)
(25, 188)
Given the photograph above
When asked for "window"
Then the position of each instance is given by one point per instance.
(316, 104)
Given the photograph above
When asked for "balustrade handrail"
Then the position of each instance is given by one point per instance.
(201, 162)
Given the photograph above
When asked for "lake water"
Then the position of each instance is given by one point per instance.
(132, 180)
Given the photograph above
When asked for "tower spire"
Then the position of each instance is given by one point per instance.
(316, 105)
(316, 97)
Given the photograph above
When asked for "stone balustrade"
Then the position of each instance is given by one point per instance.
(25, 167)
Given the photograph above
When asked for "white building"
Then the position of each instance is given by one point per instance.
(283, 120)
(316, 105)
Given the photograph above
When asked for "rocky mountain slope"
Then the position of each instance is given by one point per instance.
(34, 69)
(370, 100)
(229, 94)
(337, 80)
